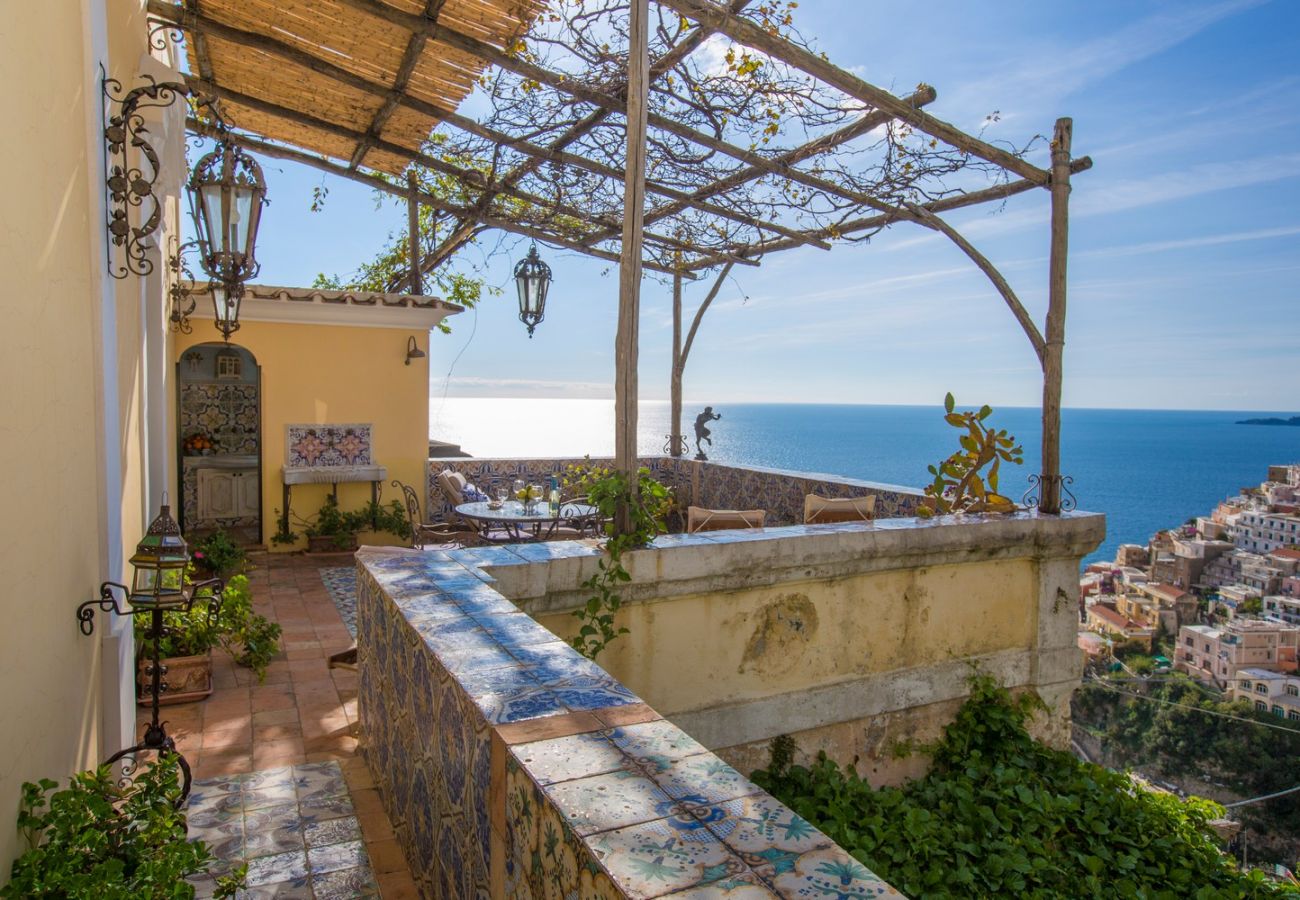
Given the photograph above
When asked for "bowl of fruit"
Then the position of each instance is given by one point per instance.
(199, 444)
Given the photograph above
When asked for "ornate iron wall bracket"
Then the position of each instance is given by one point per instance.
(132, 186)
(1038, 486)
(106, 602)
(182, 301)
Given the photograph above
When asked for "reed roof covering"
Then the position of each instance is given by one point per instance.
(221, 49)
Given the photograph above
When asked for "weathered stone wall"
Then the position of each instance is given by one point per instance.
(856, 639)
(709, 484)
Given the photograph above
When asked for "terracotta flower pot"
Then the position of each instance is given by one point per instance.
(187, 678)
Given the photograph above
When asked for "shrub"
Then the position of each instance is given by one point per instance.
(219, 554)
(1001, 815)
(99, 840)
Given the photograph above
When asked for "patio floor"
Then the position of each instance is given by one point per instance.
(242, 740)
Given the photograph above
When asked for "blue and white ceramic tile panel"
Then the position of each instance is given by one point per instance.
(327, 445)
(707, 484)
(227, 413)
(295, 828)
(512, 766)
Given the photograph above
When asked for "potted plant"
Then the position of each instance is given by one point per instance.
(333, 529)
(111, 840)
(961, 483)
(188, 639)
(218, 555)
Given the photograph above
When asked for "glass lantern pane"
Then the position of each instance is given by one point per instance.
(145, 581)
(240, 219)
(210, 195)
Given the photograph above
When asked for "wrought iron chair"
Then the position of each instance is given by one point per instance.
(577, 527)
(700, 519)
(819, 510)
(432, 535)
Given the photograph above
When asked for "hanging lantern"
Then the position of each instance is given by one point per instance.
(533, 278)
(227, 192)
(159, 563)
(225, 306)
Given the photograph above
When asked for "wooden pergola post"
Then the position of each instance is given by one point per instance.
(413, 236)
(675, 382)
(1054, 339)
(629, 267)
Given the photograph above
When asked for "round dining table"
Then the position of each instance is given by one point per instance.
(515, 522)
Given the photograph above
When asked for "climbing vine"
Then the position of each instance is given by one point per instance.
(606, 490)
(1001, 815)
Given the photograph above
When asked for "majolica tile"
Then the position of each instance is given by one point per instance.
(514, 629)
(356, 883)
(285, 890)
(332, 831)
(513, 706)
(703, 780)
(567, 758)
(475, 656)
(763, 831)
(656, 745)
(653, 858)
(828, 872)
(332, 857)
(270, 842)
(318, 809)
(613, 800)
(503, 679)
(280, 867)
(583, 694)
(745, 886)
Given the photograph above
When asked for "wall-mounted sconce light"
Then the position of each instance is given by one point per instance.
(412, 350)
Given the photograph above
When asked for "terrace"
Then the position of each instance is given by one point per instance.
(503, 762)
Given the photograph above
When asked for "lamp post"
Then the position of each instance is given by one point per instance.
(533, 279)
(227, 192)
(157, 586)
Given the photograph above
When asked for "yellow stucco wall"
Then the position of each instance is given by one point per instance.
(60, 514)
(334, 374)
(702, 650)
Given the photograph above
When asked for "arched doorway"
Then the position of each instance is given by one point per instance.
(219, 441)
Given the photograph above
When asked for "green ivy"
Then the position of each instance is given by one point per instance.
(1001, 815)
(100, 840)
(607, 489)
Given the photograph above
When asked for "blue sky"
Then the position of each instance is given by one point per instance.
(1185, 236)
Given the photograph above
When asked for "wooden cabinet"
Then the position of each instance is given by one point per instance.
(228, 493)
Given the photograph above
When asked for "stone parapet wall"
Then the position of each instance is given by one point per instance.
(512, 767)
(715, 485)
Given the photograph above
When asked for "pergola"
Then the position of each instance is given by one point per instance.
(766, 148)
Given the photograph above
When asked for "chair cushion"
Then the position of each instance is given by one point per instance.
(699, 518)
(452, 484)
(473, 495)
(818, 510)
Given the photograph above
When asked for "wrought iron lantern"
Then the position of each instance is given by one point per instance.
(157, 586)
(226, 297)
(159, 565)
(533, 279)
(227, 192)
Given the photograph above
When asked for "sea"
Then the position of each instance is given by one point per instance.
(1145, 469)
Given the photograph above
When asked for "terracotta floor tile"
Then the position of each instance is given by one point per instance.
(386, 856)
(264, 717)
(397, 886)
(267, 734)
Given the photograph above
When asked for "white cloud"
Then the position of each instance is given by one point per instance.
(1210, 240)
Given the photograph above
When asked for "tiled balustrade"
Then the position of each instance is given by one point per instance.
(513, 767)
(707, 484)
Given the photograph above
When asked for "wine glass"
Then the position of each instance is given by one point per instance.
(519, 490)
